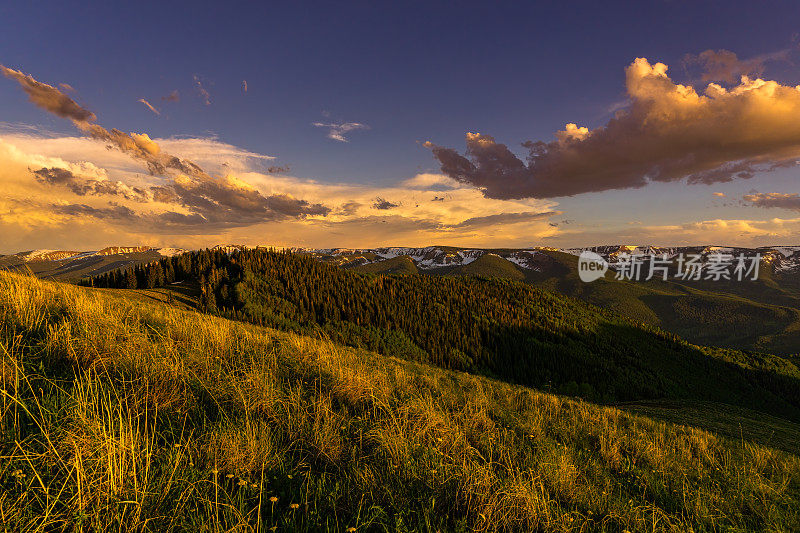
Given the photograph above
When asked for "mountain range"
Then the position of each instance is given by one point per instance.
(761, 314)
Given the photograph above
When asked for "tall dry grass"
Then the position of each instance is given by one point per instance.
(117, 415)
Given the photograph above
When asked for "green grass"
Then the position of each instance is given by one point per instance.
(721, 419)
(128, 414)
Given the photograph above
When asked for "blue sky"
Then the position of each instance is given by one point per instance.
(411, 72)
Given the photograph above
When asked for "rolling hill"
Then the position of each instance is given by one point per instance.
(757, 315)
(120, 412)
(500, 328)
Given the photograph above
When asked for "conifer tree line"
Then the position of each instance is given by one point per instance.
(502, 328)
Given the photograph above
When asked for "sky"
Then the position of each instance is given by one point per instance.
(364, 124)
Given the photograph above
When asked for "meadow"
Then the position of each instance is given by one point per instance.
(123, 414)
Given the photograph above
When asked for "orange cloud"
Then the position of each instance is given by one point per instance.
(149, 106)
(668, 133)
(774, 200)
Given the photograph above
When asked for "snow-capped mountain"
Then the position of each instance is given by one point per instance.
(783, 259)
(429, 257)
(61, 255)
(70, 263)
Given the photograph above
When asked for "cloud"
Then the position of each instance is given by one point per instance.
(725, 66)
(82, 186)
(504, 219)
(348, 208)
(48, 97)
(337, 131)
(669, 132)
(149, 106)
(204, 94)
(89, 190)
(174, 96)
(164, 219)
(215, 201)
(115, 212)
(773, 200)
(275, 169)
(383, 204)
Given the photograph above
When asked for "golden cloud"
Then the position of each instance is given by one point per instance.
(669, 132)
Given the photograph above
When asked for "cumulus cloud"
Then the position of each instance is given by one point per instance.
(149, 106)
(773, 200)
(668, 133)
(338, 130)
(48, 97)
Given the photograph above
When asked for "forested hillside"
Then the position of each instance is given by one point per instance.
(496, 327)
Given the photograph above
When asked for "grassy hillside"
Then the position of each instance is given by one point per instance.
(127, 414)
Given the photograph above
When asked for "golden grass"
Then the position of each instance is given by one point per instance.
(123, 415)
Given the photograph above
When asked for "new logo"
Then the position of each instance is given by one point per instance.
(591, 266)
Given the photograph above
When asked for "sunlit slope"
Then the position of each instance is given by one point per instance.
(128, 414)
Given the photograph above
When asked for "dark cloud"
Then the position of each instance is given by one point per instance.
(773, 200)
(668, 133)
(504, 218)
(275, 169)
(114, 213)
(88, 187)
(48, 97)
(725, 66)
(383, 204)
